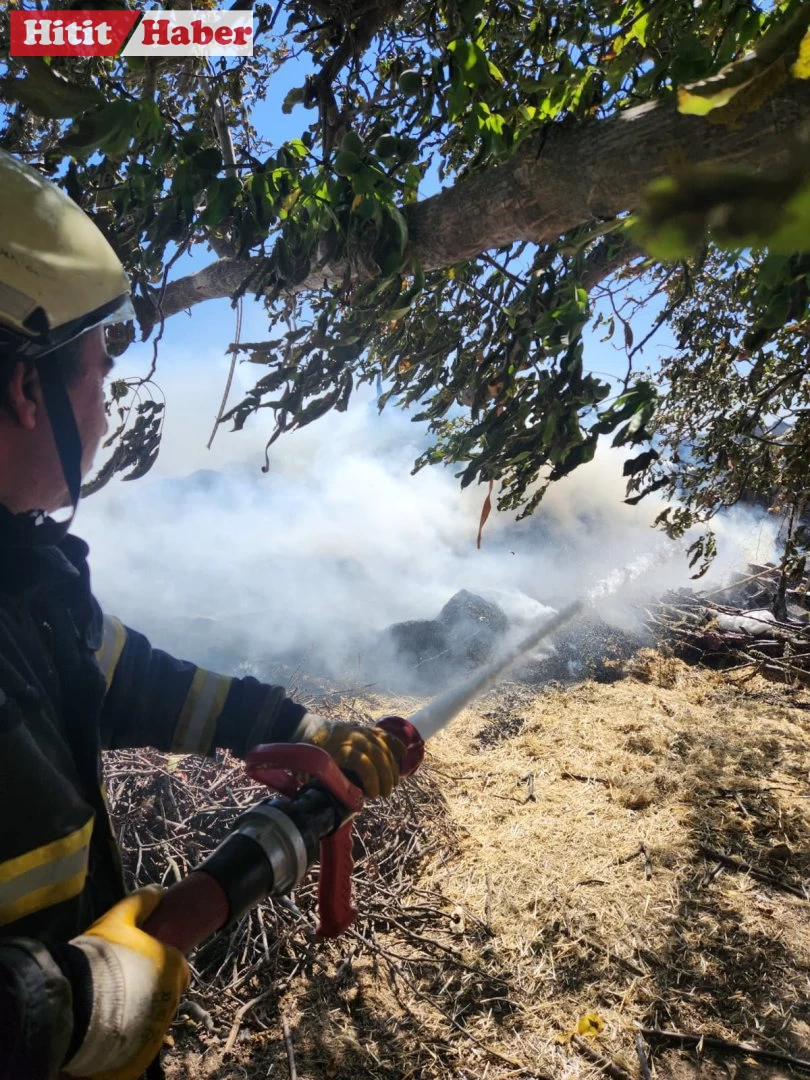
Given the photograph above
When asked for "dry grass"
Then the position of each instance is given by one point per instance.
(482, 941)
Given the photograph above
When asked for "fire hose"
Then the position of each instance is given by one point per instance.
(273, 844)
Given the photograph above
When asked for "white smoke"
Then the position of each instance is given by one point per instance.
(307, 563)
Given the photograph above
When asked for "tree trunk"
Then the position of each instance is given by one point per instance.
(564, 176)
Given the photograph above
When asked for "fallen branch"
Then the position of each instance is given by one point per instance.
(643, 1064)
(289, 1044)
(703, 631)
(685, 1039)
(769, 571)
(606, 1064)
(240, 1015)
(760, 875)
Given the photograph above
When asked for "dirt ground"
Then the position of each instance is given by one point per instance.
(558, 857)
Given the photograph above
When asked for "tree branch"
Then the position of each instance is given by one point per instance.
(564, 176)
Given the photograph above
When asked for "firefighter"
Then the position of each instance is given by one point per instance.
(83, 990)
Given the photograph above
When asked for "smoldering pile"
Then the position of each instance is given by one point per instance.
(470, 630)
(759, 623)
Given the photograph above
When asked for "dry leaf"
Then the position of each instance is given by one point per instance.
(485, 512)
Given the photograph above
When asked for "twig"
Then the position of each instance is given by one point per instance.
(629, 858)
(241, 1014)
(606, 1064)
(760, 875)
(528, 780)
(628, 965)
(739, 802)
(647, 861)
(743, 581)
(289, 1044)
(566, 774)
(709, 878)
(713, 1043)
(229, 380)
(641, 1050)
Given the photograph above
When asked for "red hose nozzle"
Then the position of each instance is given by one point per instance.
(411, 739)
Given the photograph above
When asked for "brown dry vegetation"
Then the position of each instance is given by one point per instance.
(491, 922)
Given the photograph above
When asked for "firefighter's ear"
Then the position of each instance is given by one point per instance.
(23, 395)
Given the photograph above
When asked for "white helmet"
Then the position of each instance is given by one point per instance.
(59, 278)
(58, 275)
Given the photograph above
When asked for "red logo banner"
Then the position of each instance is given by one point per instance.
(70, 33)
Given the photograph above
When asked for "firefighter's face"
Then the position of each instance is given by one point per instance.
(30, 472)
(86, 391)
(31, 476)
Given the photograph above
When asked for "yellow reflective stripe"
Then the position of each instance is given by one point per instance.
(45, 876)
(112, 646)
(201, 710)
(44, 897)
(66, 845)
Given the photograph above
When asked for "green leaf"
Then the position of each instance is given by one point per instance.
(400, 227)
(294, 97)
(793, 234)
(640, 463)
(743, 209)
(364, 180)
(579, 454)
(751, 81)
(470, 61)
(109, 130)
(801, 68)
(47, 94)
(216, 206)
(656, 485)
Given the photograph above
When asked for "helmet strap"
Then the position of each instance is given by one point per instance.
(63, 423)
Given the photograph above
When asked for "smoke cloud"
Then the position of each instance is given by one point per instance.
(304, 566)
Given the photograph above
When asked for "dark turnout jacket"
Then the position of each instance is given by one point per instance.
(74, 682)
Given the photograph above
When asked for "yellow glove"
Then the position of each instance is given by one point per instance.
(136, 988)
(368, 754)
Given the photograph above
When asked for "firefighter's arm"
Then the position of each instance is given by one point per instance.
(98, 1006)
(155, 700)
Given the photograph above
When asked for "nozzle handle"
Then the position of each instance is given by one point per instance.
(336, 912)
